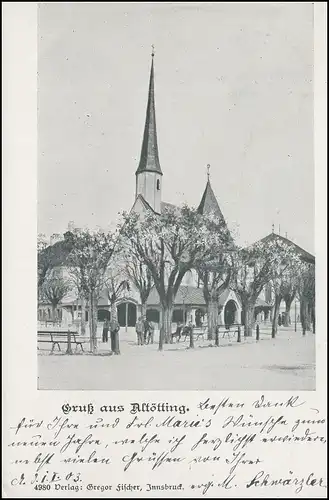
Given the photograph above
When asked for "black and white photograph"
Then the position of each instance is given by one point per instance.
(175, 197)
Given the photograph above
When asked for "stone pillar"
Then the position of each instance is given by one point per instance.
(192, 316)
(221, 317)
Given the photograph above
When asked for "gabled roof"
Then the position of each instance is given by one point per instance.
(149, 159)
(190, 295)
(144, 202)
(262, 303)
(185, 295)
(306, 256)
(169, 206)
(164, 205)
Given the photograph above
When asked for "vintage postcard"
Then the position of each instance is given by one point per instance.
(165, 250)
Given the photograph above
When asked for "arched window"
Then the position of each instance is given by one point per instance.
(158, 185)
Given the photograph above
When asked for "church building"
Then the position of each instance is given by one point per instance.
(189, 303)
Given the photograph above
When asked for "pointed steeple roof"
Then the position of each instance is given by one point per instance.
(209, 202)
(149, 160)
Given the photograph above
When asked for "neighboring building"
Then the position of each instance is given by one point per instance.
(267, 293)
(189, 303)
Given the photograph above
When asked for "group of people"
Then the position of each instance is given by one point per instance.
(144, 331)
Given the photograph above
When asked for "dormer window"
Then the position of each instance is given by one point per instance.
(158, 185)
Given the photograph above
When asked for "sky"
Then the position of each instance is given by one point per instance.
(233, 89)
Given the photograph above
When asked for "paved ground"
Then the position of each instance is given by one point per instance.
(284, 363)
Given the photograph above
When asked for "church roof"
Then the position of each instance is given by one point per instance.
(306, 256)
(149, 159)
(190, 295)
(185, 295)
(209, 202)
(169, 206)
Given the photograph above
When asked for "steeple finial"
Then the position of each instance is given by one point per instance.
(272, 228)
(208, 172)
(152, 54)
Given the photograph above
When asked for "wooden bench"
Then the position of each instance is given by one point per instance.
(232, 331)
(197, 332)
(57, 337)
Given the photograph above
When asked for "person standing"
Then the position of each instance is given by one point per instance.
(106, 330)
(140, 331)
(114, 329)
(146, 329)
(279, 320)
(150, 337)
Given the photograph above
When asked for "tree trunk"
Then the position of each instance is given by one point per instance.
(90, 321)
(143, 309)
(212, 313)
(313, 318)
(287, 319)
(304, 315)
(161, 337)
(217, 337)
(83, 315)
(114, 314)
(277, 303)
(53, 312)
(191, 339)
(69, 344)
(94, 330)
(249, 319)
(165, 332)
(116, 343)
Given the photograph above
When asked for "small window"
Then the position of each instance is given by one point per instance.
(158, 185)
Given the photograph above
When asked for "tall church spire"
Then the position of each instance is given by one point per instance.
(148, 173)
(149, 159)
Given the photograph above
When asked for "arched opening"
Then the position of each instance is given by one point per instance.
(103, 314)
(230, 313)
(199, 317)
(153, 315)
(158, 185)
(127, 314)
(179, 316)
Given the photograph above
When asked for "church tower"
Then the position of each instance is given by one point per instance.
(148, 173)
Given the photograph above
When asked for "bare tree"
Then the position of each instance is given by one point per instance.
(253, 268)
(306, 293)
(140, 275)
(54, 289)
(87, 265)
(115, 287)
(215, 275)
